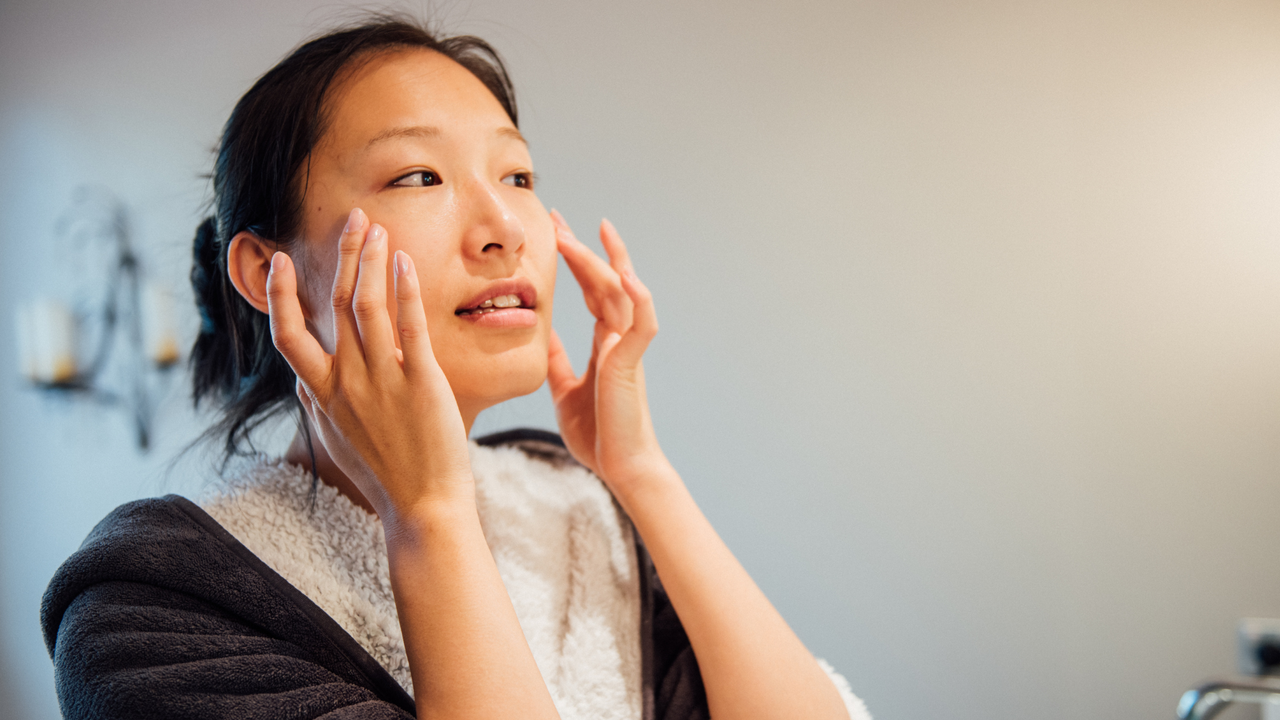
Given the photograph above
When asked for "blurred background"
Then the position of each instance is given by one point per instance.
(970, 310)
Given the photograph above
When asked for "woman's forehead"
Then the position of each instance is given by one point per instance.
(418, 89)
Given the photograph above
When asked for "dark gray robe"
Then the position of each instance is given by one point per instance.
(162, 613)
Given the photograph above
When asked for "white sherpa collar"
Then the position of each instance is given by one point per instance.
(562, 546)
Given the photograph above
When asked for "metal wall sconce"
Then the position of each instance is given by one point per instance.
(118, 341)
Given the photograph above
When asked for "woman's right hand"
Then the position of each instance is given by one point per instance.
(389, 421)
(386, 415)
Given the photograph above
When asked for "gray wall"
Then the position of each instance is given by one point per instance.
(971, 310)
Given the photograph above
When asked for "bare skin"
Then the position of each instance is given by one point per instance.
(393, 368)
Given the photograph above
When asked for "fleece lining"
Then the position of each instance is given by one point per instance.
(562, 545)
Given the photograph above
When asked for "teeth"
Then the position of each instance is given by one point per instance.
(495, 304)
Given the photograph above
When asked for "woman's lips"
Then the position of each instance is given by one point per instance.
(507, 303)
(520, 287)
(515, 317)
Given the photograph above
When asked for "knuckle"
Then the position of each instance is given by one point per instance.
(349, 244)
(280, 334)
(342, 297)
(412, 329)
(366, 305)
(284, 342)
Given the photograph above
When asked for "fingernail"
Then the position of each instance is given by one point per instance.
(277, 262)
(353, 220)
(401, 263)
(376, 234)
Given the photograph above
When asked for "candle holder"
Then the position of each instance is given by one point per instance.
(114, 306)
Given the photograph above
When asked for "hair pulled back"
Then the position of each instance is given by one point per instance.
(260, 177)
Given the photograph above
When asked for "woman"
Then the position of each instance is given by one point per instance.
(379, 258)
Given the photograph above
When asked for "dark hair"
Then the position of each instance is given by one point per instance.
(259, 179)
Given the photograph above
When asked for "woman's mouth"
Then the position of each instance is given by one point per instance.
(506, 304)
(501, 302)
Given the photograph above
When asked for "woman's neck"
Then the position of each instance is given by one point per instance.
(328, 470)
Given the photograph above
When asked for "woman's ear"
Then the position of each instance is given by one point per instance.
(248, 264)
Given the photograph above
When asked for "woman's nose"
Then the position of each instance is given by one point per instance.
(493, 230)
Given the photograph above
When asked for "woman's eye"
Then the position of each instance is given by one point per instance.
(520, 180)
(422, 178)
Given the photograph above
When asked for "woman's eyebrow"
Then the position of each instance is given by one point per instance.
(512, 133)
(430, 132)
(415, 131)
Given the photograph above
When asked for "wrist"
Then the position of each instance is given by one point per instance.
(427, 521)
(650, 480)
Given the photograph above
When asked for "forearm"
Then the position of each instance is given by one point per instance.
(753, 666)
(467, 653)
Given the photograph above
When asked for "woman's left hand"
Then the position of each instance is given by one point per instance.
(604, 414)
(752, 664)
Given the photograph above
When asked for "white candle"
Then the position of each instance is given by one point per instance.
(46, 342)
(159, 325)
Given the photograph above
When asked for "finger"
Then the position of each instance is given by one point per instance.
(411, 318)
(604, 341)
(288, 326)
(345, 329)
(562, 229)
(560, 374)
(601, 285)
(370, 302)
(645, 326)
(619, 258)
(599, 333)
(568, 247)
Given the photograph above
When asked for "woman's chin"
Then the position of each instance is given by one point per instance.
(488, 381)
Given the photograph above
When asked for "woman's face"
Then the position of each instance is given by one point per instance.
(423, 147)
